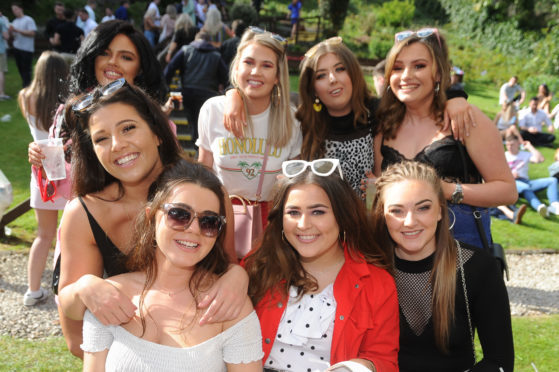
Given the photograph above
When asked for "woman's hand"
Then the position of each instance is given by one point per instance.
(105, 301)
(227, 296)
(35, 154)
(168, 106)
(234, 116)
(460, 116)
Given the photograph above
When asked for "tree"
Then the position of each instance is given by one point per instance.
(335, 11)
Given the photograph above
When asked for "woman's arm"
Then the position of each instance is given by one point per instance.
(226, 298)
(234, 115)
(81, 285)
(485, 148)
(244, 341)
(459, 114)
(95, 362)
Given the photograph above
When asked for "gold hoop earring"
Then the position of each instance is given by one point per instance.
(317, 106)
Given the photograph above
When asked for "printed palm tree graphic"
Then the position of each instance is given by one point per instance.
(249, 171)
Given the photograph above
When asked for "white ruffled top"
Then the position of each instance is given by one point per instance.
(304, 336)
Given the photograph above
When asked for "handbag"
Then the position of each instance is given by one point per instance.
(248, 217)
(495, 249)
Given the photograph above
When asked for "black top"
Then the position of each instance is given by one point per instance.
(443, 155)
(113, 258)
(51, 26)
(70, 37)
(352, 144)
(489, 309)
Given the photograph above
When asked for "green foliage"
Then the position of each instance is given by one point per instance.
(531, 83)
(431, 11)
(395, 13)
(335, 11)
(243, 10)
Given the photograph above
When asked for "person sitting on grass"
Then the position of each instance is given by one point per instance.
(530, 124)
(518, 162)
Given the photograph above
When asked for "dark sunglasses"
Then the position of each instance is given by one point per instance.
(179, 217)
(88, 99)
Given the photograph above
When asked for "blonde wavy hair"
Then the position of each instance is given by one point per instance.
(443, 274)
(281, 124)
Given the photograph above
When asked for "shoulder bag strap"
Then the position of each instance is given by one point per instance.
(461, 259)
(261, 178)
(475, 212)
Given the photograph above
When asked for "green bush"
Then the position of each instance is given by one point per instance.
(245, 11)
(395, 13)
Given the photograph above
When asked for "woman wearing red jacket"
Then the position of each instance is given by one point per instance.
(319, 281)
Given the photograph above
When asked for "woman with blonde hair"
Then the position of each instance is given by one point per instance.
(248, 167)
(446, 289)
(168, 23)
(475, 174)
(38, 103)
(338, 113)
(216, 28)
(184, 34)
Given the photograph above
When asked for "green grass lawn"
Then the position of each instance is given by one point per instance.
(536, 339)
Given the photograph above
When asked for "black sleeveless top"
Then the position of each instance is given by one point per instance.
(113, 258)
(443, 155)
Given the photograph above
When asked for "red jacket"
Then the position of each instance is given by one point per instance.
(367, 317)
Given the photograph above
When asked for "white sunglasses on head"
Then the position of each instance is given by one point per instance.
(320, 167)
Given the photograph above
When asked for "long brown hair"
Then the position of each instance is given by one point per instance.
(88, 174)
(443, 275)
(281, 125)
(142, 257)
(49, 87)
(314, 124)
(275, 265)
(391, 110)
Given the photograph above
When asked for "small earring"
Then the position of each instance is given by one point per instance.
(317, 106)
(387, 88)
(343, 240)
(437, 88)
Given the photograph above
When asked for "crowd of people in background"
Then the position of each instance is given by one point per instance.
(146, 253)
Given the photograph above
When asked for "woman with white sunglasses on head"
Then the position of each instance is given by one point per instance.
(319, 282)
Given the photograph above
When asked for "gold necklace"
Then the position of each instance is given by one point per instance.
(171, 293)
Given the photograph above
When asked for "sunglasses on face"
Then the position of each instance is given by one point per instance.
(336, 40)
(320, 167)
(422, 34)
(87, 100)
(179, 217)
(276, 37)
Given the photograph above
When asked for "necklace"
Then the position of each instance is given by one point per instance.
(171, 293)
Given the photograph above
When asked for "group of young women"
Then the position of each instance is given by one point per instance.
(331, 285)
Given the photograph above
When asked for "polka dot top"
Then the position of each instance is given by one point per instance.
(304, 336)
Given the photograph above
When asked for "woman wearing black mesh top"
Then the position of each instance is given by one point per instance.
(435, 275)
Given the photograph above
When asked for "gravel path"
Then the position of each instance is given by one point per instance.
(533, 290)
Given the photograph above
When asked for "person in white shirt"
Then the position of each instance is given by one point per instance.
(23, 30)
(518, 162)
(530, 125)
(90, 9)
(87, 23)
(109, 16)
(509, 90)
